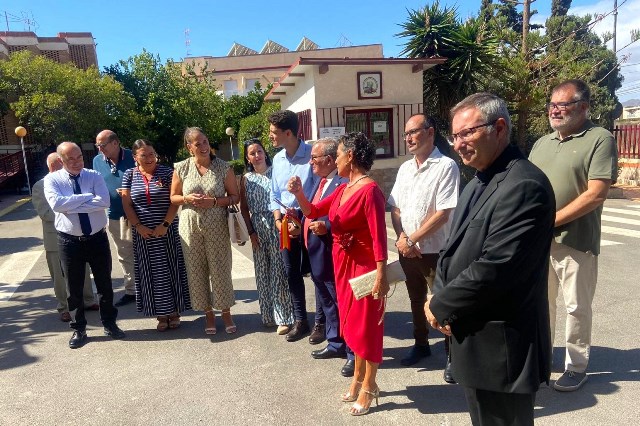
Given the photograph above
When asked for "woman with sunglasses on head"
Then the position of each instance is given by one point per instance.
(205, 186)
(160, 274)
(274, 297)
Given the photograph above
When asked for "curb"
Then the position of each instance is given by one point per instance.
(14, 206)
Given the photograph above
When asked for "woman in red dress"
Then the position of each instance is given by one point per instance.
(356, 213)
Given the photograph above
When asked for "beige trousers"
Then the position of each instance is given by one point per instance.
(120, 232)
(576, 274)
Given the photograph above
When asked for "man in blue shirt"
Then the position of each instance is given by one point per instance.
(79, 197)
(111, 163)
(293, 160)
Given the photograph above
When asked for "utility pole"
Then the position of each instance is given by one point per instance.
(615, 23)
(526, 17)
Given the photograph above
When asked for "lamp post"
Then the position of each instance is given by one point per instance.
(21, 132)
(230, 132)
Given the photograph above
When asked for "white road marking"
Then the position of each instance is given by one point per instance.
(620, 231)
(608, 243)
(14, 270)
(621, 211)
(620, 220)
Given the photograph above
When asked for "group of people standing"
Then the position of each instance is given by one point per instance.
(483, 268)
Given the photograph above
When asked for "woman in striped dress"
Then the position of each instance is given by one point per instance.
(274, 297)
(160, 274)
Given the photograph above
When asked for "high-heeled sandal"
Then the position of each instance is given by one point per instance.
(174, 321)
(210, 330)
(347, 397)
(359, 410)
(163, 323)
(229, 329)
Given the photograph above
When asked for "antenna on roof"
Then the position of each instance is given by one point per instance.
(343, 41)
(26, 18)
(187, 42)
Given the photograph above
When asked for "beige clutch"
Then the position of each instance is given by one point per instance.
(363, 284)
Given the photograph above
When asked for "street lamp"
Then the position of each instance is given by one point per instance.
(230, 132)
(21, 132)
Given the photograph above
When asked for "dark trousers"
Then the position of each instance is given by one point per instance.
(488, 408)
(294, 262)
(327, 301)
(420, 273)
(74, 256)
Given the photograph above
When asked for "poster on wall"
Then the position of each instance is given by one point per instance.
(379, 127)
(330, 132)
(370, 85)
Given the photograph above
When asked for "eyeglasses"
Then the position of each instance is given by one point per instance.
(145, 156)
(465, 134)
(314, 157)
(102, 145)
(562, 106)
(413, 131)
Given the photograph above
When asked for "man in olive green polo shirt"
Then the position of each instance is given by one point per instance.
(580, 160)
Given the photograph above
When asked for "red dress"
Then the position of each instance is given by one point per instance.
(359, 241)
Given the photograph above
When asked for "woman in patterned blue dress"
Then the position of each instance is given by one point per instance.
(160, 275)
(274, 297)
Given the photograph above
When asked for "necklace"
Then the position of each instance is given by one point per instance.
(356, 181)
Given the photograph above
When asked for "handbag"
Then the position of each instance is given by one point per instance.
(363, 285)
(238, 232)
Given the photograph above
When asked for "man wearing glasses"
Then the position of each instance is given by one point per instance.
(422, 200)
(490, 290)
(580, 160)
(111, 163)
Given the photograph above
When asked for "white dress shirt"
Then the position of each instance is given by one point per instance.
(421, 191)
(94, 200)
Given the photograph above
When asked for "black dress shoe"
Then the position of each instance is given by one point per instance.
(125, 300)
(318, 334)
(113, 331)
(416, 353)
(447, 375)
(326, 353)
(348, 368)
(298, 331)
(78, 339)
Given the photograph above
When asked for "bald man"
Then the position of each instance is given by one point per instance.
(79, 198)
(50, 240)
(112, 161)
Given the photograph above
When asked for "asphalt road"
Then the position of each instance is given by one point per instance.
(184, 377)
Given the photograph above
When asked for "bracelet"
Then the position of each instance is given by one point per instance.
(136, 225)
(184, 199)
(279, 219)
(215, 202)
(166, 224)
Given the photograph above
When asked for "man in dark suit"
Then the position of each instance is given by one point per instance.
(490, 291)
(318, 240)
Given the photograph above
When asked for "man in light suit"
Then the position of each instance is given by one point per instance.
(490, 290)
(318, 240)
(50, 239)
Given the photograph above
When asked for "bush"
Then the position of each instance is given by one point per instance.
(238, 166)
(257, 126)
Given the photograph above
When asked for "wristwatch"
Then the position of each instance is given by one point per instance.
(409, 242)
(166, 224)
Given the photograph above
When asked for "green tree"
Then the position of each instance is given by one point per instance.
(59, 102)
(470, 50)
(560, 7)
(257, 126)
(168, 101)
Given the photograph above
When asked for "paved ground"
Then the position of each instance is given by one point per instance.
(185, 377)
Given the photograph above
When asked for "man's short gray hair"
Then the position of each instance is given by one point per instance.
(330, 146)
(491, 108)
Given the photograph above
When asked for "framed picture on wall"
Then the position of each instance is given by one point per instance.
(370, 85)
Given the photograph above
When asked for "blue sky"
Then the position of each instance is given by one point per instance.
(123, 28)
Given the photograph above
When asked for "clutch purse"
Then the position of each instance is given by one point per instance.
(363, 284)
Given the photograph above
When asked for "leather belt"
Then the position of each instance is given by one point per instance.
(81, 237)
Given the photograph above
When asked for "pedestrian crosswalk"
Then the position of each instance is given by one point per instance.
(619, 222)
